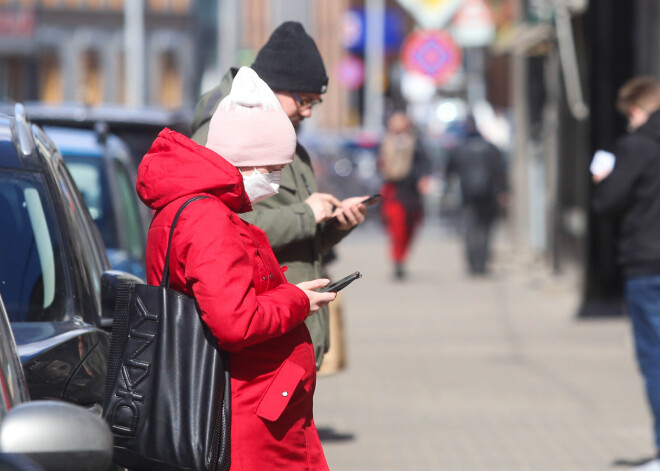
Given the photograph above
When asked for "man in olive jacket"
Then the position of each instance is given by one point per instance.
(294, 219)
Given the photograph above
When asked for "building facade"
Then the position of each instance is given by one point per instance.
(74, 50)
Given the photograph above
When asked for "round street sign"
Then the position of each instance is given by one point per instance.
(433, 53)
(350, 72)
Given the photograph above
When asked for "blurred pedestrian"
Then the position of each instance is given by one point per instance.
(230, 269)
(294, 219)
(479, 166)
(404, 167)
(630, 191)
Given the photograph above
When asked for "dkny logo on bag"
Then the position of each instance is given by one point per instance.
(142, 332)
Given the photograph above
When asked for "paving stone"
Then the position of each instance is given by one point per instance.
(446, 372)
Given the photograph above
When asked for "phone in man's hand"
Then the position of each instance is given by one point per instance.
(371, 199)
(341, 284)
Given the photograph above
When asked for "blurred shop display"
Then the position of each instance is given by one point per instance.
(345, 164)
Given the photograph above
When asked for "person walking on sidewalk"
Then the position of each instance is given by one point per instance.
(480, 168)
(630, 191)
(230, 269)
(403, 166)
(294, 219)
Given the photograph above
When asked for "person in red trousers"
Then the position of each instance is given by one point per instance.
(403, 166)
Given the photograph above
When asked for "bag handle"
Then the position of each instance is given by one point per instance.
(165, 280)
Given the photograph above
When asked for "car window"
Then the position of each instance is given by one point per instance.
(92, 180)
(93, 253)
(31, 282)
(129, 209)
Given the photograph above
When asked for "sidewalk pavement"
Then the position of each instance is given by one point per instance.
(451, 373)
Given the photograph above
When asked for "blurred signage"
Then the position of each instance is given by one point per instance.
(350, 72)
(473, 25)
(545, 10)
(352, 30)
(16, 23)
(540, 10)
(432, 53)
(431, 14)
(417, 88)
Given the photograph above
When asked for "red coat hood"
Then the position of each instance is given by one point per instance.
(176, 166)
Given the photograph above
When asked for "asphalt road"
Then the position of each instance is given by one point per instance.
(450, 373)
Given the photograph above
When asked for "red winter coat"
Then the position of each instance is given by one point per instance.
(229, 266)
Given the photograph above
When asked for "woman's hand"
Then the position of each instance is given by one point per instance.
(316, 300)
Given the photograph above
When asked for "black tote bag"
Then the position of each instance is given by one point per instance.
(167, 387)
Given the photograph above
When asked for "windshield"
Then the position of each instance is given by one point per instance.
(31, 282)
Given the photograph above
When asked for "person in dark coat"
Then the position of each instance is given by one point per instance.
(229, 267)
(480, 168)
(403, 167)
(630, 192)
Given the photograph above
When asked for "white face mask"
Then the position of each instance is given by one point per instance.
(260, 186)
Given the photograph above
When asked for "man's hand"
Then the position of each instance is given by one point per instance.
(599, 177)
(322, 204)
(351, 212)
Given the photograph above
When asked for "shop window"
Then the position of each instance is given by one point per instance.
(92, 78)
(94, 4)
(180, 6)
(171, 85)
(159, 6)
(13, 78)
(121, 79)
(115, 4)
(50, 78)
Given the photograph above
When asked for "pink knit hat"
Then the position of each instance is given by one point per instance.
(250, 128)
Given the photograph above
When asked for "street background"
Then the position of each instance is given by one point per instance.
(447, 372)
(531, 368)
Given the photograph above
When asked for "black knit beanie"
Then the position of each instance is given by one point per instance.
(291, 61)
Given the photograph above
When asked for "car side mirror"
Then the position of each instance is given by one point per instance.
(57, 436)
(110, 282)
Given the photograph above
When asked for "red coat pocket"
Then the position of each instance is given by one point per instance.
(279, 392)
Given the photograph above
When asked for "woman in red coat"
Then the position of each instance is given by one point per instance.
(229, 267)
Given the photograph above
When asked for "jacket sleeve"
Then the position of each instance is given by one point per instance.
(613, 194)
(220, 272)
(283, 223)
(331, 235)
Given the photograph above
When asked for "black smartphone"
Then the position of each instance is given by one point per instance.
(341, 284)
(371, 198)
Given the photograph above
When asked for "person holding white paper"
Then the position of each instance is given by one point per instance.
(628, 187)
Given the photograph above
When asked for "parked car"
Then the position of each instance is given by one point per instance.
(136, 126)
(52, 263)
(44, 435)
(104, 172)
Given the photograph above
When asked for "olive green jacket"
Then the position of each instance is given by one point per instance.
(297, 240)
